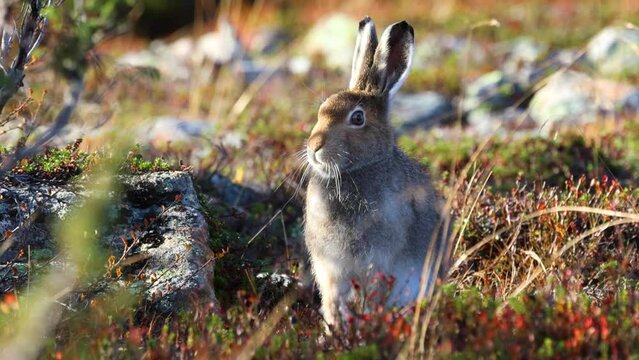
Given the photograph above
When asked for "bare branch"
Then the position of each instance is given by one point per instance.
(31, 32)
(71, 101)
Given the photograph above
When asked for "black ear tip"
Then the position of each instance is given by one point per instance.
(405, 26)
(365, 21)
(402, 27)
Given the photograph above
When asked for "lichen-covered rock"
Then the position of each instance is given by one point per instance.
(154, 229)
(179, 266)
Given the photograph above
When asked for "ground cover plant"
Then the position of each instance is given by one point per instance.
(545, 259)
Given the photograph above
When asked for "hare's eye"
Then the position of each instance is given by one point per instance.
(357, 118)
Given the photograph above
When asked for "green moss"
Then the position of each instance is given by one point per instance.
(370, 351)
(56, 164)
(136, 163)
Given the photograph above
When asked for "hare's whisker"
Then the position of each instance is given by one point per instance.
(337, 190)
(301, 182)
(338, 181)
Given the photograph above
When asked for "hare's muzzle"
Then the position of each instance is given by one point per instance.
(315, 157)
(316, 141)
(314, 146)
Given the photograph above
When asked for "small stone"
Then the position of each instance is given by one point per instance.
(421, 110)
(220, 47)
(492, 91)
(333, 38)
(235, 194)
(520, 59)
(268, 41)
(630, 104)
(158, 56)
(486, 122)
(615, 51)
(299, 65)
(178, 132)
(182, 49)
(571, 97)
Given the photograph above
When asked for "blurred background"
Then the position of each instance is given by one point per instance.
(194, 75)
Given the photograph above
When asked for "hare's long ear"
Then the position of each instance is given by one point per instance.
(393, 59)
(364, 52)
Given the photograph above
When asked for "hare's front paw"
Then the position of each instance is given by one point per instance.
(335, 313)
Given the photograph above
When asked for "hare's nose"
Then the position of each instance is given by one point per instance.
(315, 142)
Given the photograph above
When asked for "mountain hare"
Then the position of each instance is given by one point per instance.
(369, 208)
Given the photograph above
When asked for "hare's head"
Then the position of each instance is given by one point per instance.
(353, 129)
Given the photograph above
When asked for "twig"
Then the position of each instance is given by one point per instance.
(70, 103)
(30, 36)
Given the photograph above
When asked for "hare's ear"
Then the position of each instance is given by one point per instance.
(393, 58)
(364, 52)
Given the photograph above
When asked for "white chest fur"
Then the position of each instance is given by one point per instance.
(357, 246)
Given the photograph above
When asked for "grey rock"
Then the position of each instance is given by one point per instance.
(250, 70)
(332, 38)
(180, 264)
(525, 50)
(630, 104)
(235, 194)
(268, 41)
(198, 137)
(220, 47)
(564, 99)
(614, 51)
(530, 75)
(486, 122)
(493, 91)
(158, 56)
(174, 266)
(571, 97)
(177, 60)
(10, 136)
(520, 59)
(421, 110)
(179, 132)
(299, 65)
(274, 286)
